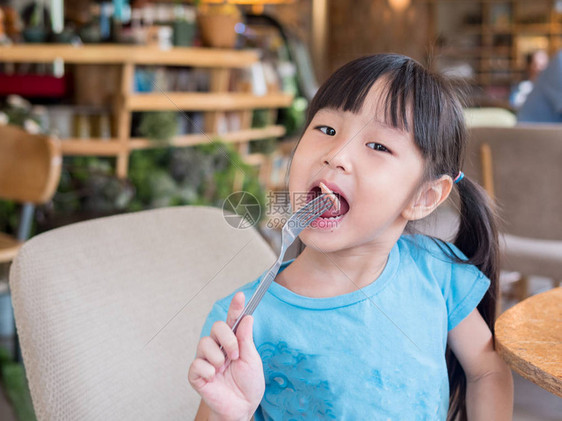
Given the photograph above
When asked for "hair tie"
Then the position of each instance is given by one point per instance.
(459, 177)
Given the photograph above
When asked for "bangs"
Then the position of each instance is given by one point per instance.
(348, 87)
(412, 99)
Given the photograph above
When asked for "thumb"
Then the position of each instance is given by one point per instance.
(245, 337)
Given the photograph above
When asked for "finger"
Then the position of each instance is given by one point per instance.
(208, 349)
(235, 309)
(200, 373)
(245, 337)
(223, 335)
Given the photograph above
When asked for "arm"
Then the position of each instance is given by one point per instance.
(489, 394)
(204, 412)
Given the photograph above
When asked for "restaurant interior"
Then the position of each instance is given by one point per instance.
(134, 133)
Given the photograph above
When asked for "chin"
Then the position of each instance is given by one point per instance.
(323, 241)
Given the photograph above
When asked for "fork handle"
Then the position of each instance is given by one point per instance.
(252, 304)
(257, 296)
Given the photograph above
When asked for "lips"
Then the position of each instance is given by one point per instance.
(315, 191)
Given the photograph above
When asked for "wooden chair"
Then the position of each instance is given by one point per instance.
(520, 168)
(109, 311)
(30, 167)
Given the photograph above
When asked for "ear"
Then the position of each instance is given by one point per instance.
(429, 196)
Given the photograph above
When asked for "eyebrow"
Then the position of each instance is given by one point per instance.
(372, 120)
(389, 126)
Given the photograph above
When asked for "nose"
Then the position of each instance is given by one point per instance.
(338, 156)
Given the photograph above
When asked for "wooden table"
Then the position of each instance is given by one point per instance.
(529, 339)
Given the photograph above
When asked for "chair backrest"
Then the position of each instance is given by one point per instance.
(526, 170)
(30, 165)
(109, 311)
(489, 117)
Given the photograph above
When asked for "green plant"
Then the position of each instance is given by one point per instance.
(19, 112)
(158, 126)
(87, 186)
(196, 175)
(294, 117)
(163, 176)
(9, 216)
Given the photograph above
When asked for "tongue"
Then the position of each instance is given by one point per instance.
(333, 211)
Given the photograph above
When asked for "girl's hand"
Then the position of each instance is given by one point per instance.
(233, 392)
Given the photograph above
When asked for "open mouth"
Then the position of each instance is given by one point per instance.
(333, 212)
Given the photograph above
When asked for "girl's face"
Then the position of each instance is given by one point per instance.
(375, 167)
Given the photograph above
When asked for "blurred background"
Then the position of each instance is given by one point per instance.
(170, 103)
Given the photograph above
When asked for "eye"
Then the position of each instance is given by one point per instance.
(378, 147)
(329, 131)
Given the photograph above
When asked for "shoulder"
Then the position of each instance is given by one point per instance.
(462, 284)
(436, 258)
(426, 248)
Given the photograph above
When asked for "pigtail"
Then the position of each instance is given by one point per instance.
(477, 238)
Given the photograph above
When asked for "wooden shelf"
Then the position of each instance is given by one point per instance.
(92, 147)
(191, 101)
(213, 103)
(135, 54)
(112, 147)
(198, 139)
(497, 30)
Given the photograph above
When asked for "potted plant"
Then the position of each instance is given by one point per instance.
(217, 24)
(184, 26)
(36, 18)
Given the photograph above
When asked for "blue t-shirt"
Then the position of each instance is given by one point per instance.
(377, 353)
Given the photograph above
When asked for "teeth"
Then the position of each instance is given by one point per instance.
(332, 196)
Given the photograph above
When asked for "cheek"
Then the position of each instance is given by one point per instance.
(299, 166)
(297, 180)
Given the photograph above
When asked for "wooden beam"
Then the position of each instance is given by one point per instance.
(198, 139)
(137, 54)
(195, 101)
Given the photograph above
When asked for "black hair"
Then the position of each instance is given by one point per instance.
(439, 131)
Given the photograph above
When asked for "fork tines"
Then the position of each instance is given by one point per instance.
(315, 208)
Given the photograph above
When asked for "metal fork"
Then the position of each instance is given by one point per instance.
(292, 228)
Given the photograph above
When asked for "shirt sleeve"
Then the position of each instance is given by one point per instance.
(466, 289)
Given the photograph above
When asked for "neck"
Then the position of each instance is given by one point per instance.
(316, 273)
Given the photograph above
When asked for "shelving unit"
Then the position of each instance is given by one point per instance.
(492, 38)
(220, 63)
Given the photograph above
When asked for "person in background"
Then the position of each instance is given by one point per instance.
(544, 103)
(535, 63)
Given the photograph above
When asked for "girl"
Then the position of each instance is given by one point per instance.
(369, 322)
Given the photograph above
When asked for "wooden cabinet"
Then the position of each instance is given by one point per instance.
(486, 41)
(219, 99)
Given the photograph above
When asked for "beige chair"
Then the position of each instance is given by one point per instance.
(30, 167)
(521, 167)
(109, 311)
(489, 117)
